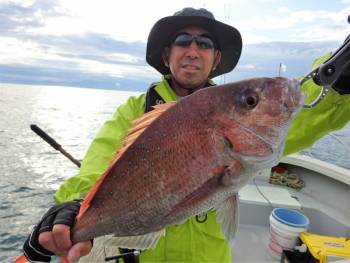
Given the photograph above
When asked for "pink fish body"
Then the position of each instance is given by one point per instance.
(187, 157)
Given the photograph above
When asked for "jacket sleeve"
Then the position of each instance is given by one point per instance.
(331, 114)
(107, 141)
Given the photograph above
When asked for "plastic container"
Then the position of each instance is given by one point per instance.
(285, 226)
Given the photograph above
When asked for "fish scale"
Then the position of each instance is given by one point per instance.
(187, 157)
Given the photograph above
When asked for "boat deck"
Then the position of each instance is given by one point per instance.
(252, 240)
(325, 200)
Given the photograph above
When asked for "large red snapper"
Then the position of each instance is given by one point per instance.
(187, 157)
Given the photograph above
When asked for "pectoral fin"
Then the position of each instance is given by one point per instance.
(105, 246)
(227, 216)
(146, 241)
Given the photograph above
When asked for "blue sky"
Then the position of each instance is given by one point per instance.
(101, 44)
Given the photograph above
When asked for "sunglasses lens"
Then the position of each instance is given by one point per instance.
(183, 40)
(203, 42)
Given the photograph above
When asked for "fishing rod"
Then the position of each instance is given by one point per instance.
(47, 138)
(133, 255)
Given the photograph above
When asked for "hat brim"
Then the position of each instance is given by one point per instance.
(228, 37)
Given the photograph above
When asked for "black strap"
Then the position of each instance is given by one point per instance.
(342, 84)
(152, 97)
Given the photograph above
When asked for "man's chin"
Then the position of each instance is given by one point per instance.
(191, 79)
(193, 85)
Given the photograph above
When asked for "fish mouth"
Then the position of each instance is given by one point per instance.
(257, 163)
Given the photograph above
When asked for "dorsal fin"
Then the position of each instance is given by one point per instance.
(138, 126)
(150, 116)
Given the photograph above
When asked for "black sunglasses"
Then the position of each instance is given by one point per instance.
(202, 41)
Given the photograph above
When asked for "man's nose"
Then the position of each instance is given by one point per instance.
(192, 49)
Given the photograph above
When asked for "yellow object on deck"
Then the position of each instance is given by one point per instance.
(326, 247)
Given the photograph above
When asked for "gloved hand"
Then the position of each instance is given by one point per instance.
(59, 214)
(342, 85)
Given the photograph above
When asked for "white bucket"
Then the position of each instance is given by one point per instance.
(285, 227)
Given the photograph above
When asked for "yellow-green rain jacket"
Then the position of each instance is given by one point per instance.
(193, 241)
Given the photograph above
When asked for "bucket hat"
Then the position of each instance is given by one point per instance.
(227, 37)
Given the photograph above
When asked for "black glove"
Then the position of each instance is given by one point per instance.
(59, 214)
(342, 84)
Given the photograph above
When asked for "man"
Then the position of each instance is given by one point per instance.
(188, 49)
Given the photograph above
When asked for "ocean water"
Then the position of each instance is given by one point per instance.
(31, 170)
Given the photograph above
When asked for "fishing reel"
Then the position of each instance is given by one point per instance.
(334, 73)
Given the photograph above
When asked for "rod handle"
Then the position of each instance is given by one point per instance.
(45, 136)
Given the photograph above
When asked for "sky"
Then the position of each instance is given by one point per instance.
(101, 44)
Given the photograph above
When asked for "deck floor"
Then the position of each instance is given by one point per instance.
(251, 245)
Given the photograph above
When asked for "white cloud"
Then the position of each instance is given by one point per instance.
(252, 38)
(16, 52)
(127, 20)
(246, 67)
(271, 22)
(22, 3)
(121, 57)
(114, 70)
(302, 25)
(283, 9)
(83, 35)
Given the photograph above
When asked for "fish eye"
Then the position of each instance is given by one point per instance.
(250, 100)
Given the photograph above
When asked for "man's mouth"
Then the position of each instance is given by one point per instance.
(191, 67)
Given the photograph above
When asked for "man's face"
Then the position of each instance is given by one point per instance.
(191, 65)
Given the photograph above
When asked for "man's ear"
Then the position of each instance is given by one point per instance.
(165, 55)
(217, 59)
